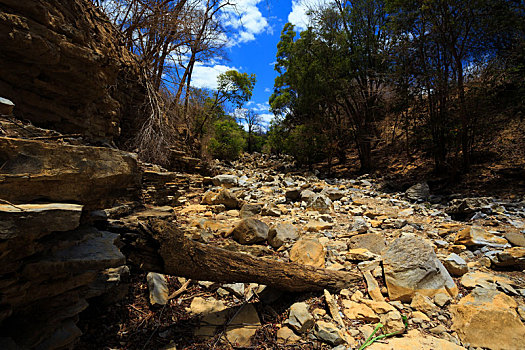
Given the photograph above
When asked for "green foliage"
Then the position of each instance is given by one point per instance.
(276, 138)
(306, 144)
(228, 140)
(236, 87)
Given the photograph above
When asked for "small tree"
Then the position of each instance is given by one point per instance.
(228, 140)
(253, 123)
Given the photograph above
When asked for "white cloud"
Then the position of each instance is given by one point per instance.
(205, 76)
(246, 20)
(267, 117)
(298, 17)
(267, 90)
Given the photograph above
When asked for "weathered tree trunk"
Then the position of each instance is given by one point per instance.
(180, 256)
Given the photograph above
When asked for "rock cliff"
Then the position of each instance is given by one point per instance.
(63, 67)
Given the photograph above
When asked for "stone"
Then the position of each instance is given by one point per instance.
(455, 265)
(307, 195)
(271, 210)
(201, 306)
(228, 199)
(6, 106)
(392, 322)
(410, 265)
(236, 289)
(90, 78)
(442, 299)
(243, 326)
(333, 308)
(374, 291)
(97, 251)
(423, 303)
(33, 221)
(477, 236)
(250, 231)
(467, 206)
(372, 241)
(488, 319)
(419, 192)
(225, 180)
(293, 194)
(213, 314)
(439, 329)
(158, 288)
(358, 311)
(334, 194)
(379, 307)
(320, 203)
(299, 318)
(53, 172)
(286, 336)
(318, 225)
(281, 233)
(249, 210)
(420, 315)
(414, 340)
(360, 254)
(327, 332)
(484, 279)
(359, 225)
(308, 252)
(516, 238)
(510, 258)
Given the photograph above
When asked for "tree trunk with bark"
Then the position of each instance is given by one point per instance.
(162, 247)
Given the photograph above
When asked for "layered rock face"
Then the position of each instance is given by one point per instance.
(62, 65)
(53, 259)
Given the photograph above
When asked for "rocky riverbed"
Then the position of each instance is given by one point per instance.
(429, 281)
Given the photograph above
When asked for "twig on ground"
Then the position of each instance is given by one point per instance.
(181, 290)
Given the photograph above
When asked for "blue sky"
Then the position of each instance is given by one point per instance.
(254, 31)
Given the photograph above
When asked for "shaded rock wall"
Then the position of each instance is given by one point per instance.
(54, 254)
(63, 67)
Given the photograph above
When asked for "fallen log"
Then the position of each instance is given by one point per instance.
(180, 256)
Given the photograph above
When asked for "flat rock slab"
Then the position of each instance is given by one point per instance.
(415, 340)
(96, 252)
(31, 221)
(487, 318)
(93, 176)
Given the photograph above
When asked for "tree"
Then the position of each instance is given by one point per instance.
(252, 120)
(336, 73)
(228, 140)
(233, 87)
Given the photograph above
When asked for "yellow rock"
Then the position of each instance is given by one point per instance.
(487, 318)
(308, 252)
(415, 340)
(358, 311)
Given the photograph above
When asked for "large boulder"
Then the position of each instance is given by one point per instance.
(411, 265)
(487, 318)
